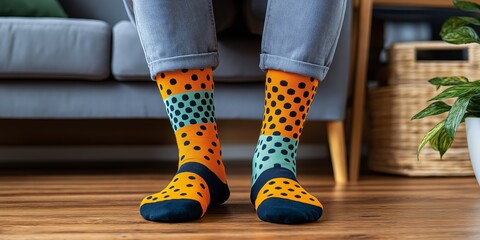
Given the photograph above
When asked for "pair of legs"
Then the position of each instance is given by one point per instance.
(179, 41)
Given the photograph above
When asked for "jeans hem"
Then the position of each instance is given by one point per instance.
(191, 61)
(268, 61)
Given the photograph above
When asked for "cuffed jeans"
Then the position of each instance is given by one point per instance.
(299, 36)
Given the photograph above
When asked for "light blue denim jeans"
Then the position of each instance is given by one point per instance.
(299, 36)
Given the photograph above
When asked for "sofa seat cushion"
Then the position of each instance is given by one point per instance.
(54, 48)
(239, 58)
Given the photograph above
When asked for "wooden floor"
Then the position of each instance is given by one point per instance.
(72, 202)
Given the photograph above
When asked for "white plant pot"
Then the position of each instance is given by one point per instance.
(473, 138)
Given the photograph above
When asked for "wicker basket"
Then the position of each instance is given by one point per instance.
(406, 69)
(393, 137)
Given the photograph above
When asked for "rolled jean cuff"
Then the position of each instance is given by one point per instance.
(191, 61)
(268, 61)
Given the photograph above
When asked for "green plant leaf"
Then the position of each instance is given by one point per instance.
(441, 142)
(448, 81)
(467, 6)
(458, 90)
(451, 24)
(456, 113)
(474, 105)
(433, 109)
(470, 20)
(461, 35)
(430, 135)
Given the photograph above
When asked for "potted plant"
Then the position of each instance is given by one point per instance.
(466, 93)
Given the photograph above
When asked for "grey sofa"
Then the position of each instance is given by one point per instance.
(91, 66)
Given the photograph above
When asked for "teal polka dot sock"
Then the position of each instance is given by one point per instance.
(276, 194)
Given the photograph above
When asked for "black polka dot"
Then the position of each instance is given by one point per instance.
(188, 86)
(269, 95)
(183, 157)
(176, 179)
(297, 196)
(149, 197)
(189, 185)
(183, 194)
(196, 148)
(291, 91)
(177, 112)
(181, 124)
(281, 97)
(176, 190)
(210, 151)
(203, 86)
(199, 194)
(290, 146)
(278, 144)
(269, 138)
(282, 120)
(272, 126)
(169, 91)
(184, 116)
(267, 110)
(278, 112)
(288, 128)
(269, 80)
(214, 144)
(186, 143)
(273, 104)
(274, 89)
(308, 102)
(278, 188)
(197, 115)
(265, 191)
(276, 133)
(200, 108)
(162, 75)
(301, 85)
(311, 199)
(173, 81)
(293, 114)
(174, 100)
(271, 150)
(194, 77)
(201, 185)
(193, 121)
(283, 83)
(304, 116)
(297, 100)
(287, 105)
(193, 103)
(208, 77)
(283, 194)
(284, 152)
(199, 133)
(305, 94)
(155, 198)
(184, 70)
(191, 177)
(271, 183)
(265, 158)
(295, 135)
(161, 87)
(218, 162)
(203, 127)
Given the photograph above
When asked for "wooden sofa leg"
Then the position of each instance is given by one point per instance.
(336, 141)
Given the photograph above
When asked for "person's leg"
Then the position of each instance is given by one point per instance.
(299, 40)
(179, 41)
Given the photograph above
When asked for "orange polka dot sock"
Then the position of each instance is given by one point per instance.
(276, 193)
(200, 180)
